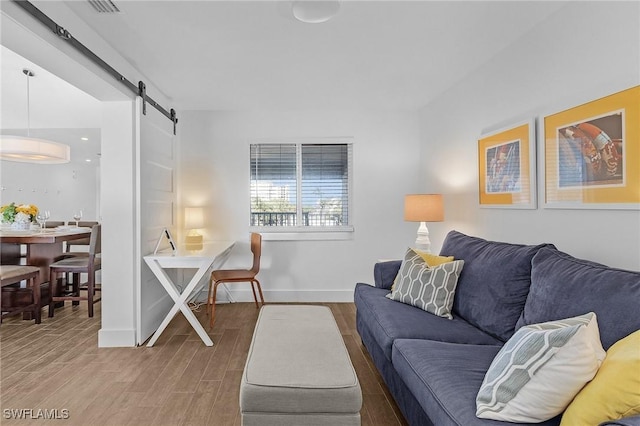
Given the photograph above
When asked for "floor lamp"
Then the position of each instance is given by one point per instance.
(423, 208)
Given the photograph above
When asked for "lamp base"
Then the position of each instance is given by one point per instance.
(423, 243)
(193, 239)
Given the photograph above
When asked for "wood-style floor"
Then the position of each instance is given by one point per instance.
(57, 365)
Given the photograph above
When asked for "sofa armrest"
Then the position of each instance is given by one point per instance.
(625, 421)
(385, 272)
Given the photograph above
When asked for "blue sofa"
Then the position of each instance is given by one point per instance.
(434, 366)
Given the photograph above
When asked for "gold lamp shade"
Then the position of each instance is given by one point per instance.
(423, 208)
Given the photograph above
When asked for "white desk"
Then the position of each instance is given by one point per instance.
(211, 256)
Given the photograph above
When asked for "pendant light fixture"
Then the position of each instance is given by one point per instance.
(32, 150)
(315, 12)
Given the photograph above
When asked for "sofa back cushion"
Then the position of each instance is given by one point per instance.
(494, 283)
(563, 286)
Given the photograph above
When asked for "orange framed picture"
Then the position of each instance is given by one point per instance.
(592, 154)
(507, 164)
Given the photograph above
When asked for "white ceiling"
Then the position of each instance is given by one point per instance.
(54, 103)
(57, 110)
(231, 55)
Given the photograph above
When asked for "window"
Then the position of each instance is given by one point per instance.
(306, 186)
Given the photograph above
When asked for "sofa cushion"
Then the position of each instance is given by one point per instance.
(627, 421)
(494, 283)
(428, 288)
(388, 320)
(563, 286)
(445, 379)
(540, 370)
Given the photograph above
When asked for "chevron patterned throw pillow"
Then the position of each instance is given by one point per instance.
(428, 288)
(540, 369)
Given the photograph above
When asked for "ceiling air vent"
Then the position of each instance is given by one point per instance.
(104, 6)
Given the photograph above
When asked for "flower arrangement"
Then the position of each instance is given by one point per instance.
(21, 213)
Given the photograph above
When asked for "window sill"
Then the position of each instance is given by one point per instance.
(304, 234)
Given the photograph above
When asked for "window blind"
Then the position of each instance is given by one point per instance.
(300, 185)
(325, 185)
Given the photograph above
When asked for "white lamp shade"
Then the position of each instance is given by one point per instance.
(33, 150)
(193, 218)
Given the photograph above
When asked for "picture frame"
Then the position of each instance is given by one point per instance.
(507, 167)
(591, 154)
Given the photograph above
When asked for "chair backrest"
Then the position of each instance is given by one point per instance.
(256, 249)
(85, 223)
(54, 223)
(95, 242)
(81, 241)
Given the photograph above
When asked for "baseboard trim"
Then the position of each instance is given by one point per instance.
(116, 338)
(285, 296)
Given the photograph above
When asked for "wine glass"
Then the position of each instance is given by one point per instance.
(41, 219)
(47, 215)
(77, 216)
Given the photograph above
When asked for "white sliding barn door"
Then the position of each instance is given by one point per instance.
(156, 211)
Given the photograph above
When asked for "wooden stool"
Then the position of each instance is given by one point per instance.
(13, 274)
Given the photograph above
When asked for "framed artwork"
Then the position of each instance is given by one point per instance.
(507, 163)
(592, 154)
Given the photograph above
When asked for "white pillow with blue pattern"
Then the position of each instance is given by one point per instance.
(429, 288)
(539, 371)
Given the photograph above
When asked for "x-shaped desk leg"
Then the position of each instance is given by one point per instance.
(180, 300)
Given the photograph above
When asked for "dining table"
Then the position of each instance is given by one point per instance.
(43, 247)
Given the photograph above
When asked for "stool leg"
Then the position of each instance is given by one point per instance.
(53, 290)
(75, 289)
(35, 282)
(259, 291)
(213, 305)
(255, 298)
(90, 290)
(209, 294)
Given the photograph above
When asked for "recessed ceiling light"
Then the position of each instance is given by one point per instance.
(315, 12)
(84, 138)
(88, 160)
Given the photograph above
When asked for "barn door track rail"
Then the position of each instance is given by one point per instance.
(139, 89)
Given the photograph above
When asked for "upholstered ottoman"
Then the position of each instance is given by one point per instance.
(298, 371)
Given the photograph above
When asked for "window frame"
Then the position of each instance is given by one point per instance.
(286, 233)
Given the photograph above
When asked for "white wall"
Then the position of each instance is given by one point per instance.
(581, 53)
(214, 151)
(59, 188)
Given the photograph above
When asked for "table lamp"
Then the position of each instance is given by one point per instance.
(423, 208)
(193, 220)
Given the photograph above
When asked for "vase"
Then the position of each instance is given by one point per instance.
(21, 226)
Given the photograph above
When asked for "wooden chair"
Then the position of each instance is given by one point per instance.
(220, 276)
(76, 265)
(82, 244)
(13, 274)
